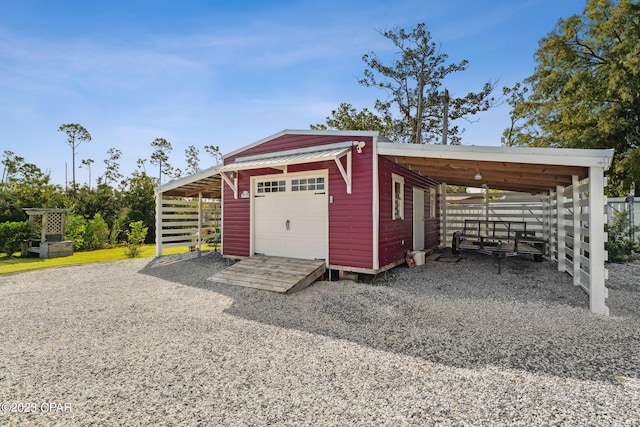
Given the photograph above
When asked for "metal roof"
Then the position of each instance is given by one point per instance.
(524, 169)
(290, 157)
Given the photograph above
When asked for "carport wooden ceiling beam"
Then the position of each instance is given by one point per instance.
(530, 170)
(503, 181)
(495, 175)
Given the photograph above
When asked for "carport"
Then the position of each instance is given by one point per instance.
(571, 180)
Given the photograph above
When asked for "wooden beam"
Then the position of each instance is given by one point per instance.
(528, 185)
(504, 166)
(215, 185)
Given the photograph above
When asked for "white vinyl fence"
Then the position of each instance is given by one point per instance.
(499, 207)
(188, 222)
(631, 209)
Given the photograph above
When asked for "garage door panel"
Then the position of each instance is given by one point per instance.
(291, 223)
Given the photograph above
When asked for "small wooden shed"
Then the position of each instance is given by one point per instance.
(328, 196)
(47, 231)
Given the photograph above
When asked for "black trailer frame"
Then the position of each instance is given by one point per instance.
(499, 239)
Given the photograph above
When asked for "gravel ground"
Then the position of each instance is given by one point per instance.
(153, 342)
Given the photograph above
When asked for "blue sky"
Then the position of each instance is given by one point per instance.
(229, 73)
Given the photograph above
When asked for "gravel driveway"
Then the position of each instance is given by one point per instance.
(153, 342)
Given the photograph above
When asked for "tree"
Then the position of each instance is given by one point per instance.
(112, 167)
(29, 187)
(346, 117)
(585, 89)
(11, 164)
(103, 199)
(141, 165)
(160, 157)
(139, 197)
(76, 135)
(414, 84)
(214, 151)
(87, 163)
(192, 158)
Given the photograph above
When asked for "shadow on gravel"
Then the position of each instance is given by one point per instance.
(462, 314)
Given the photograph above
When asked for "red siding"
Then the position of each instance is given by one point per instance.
(393, 232)
(350, 215)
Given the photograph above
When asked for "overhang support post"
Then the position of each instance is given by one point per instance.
(199, 241)
(597, 254)
(158, 224)
(577, 229)
(561, 239)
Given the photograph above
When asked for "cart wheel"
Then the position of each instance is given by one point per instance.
(538, 257)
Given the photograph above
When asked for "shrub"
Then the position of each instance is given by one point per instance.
(76, 229)
(97, 233)
(12, 235)
(620, 243)
(135, 238)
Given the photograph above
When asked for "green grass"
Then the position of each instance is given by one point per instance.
(10, 265)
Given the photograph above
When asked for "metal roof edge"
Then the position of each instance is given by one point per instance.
(538, 155)
(206, 173)
(302, 132)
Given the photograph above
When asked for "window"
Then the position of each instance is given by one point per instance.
(398, 196)
(307, 184)
(432, 202)
(271, 187)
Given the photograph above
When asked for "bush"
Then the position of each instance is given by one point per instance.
(76, 229)
(620, 244)
(135, 238)
(12, 235)
(97, 233)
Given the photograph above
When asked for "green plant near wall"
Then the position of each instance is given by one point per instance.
(620, 244)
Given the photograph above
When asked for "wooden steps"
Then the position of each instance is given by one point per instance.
(276, 274)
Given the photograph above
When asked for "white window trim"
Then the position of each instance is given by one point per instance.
(397, 179)
(432, 202)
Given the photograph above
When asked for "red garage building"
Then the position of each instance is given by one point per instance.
(325, 195)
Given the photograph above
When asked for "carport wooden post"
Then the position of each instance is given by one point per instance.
(547, 221)
(561, 239)
(158, 224)
(199, 222)
(597, 272)
(577, 229)
(443, 214)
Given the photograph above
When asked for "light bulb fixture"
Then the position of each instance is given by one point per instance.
(477, 176)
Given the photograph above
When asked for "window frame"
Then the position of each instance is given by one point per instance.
(397, 197)
(433, 201)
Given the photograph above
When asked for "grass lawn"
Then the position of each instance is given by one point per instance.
(17, 264)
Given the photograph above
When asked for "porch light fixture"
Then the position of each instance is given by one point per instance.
(477, 176)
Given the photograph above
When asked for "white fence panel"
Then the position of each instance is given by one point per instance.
(189, 222)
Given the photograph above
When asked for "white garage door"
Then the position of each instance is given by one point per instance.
(290, 215)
